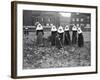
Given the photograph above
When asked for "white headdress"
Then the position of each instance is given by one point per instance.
(39, 27)
(74, 28)
(60, 29)
(79, 30)
(51, 24)
(53, 28)
(66, 28)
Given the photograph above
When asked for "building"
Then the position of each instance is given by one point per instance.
(57, 18)
(82, 19)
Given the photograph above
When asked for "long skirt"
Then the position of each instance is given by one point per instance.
(40, 39)
(67, 38)
(53, 38)
(74, 37)
(80, 40)
(59, 40)
(58, 43)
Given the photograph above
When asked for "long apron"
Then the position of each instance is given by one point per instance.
(74, 37)
(53, 37)
(40, 38)
(59, 40)
(80, 40)
(67, 38)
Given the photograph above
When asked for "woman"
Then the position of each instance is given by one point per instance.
(53, 34)
(39, 33)
(59, 38)
(80, 38)
(74, 34)
(67, 36)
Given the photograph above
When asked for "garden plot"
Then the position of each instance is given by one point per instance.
(50, 57)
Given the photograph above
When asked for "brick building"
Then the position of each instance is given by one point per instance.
(81, 19)
(52, 17)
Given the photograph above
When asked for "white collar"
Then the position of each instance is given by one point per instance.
(60, 29)
(39, 27)
(74, 28)
(53, 28)
(66, 28)
(79, 30)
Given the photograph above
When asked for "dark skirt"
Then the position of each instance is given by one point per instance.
(58, 42)
(74, 37)
(61, 37)
(53, 37)
(67, 38)
(38, 31)
(80, 40)
(39, 39)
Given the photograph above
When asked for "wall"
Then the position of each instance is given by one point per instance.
(5, 40)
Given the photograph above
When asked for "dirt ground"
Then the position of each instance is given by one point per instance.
(50, 57)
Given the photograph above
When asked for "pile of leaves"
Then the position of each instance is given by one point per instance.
(50, 57)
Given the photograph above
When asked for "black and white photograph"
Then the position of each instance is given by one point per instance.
(56, 39)
(53, 39)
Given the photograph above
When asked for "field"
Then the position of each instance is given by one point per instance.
(50, 57)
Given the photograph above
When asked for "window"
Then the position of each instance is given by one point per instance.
(49, 19)
(88, 17)
(81, 24)
(73, 19)
(77, 25)
(82, 19)
(77, 19)
(42, 19)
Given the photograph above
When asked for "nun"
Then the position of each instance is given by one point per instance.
(80, 38)
(74, 34)
(67, 36)
(59, 37)
(53, 34)
(39, 34)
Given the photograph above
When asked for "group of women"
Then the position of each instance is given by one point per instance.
(62, 36)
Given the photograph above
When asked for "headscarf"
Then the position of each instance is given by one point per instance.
(60, 29)
(66, 28)
(53, 28)
(39, 27)
(74, 28)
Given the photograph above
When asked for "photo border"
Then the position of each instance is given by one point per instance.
(14, 37)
